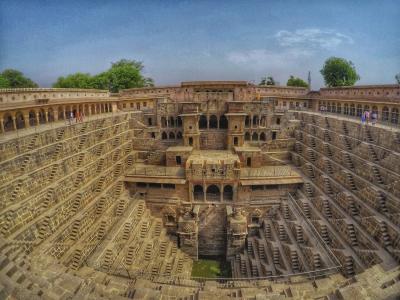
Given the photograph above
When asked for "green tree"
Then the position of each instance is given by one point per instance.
(3, 82)
(123, 74)
(77, 80)
(16, 79)
(397, 77)
(296, 81)
(339, 72)
(267, 81)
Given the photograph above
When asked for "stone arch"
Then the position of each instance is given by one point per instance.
(60, 113)
(198, 193)
(164, 135)
(93, 109)
(203, 122)
(50, 114)
(359, 110)
(19, 120)
(163, 122)
(346, 109)
(179, 135)
(190, 141)
(247, 121)
(385, 113)
(262, 136)
(8, 122)
(32, 118)
(213, 193)
(213, 122)
(375, 109)
(42, 116)
(395, 116)
(223, 122)
(352, 110)
(255, 120)
(254, 137)
(228, 192)
(171, 135)
(247, 136)
(178, 122)
(171, 122)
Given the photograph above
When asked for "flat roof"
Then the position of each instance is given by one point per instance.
(213, 156)
(179, 148)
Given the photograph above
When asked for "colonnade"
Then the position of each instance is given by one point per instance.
(27, 117)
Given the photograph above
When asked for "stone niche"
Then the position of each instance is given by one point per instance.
(250, 157)
(177, 156)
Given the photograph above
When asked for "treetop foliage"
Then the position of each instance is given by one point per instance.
(296, 81)
(339, 72)
(123, 74)
(11, 78)
(267, 81)
(397, 77)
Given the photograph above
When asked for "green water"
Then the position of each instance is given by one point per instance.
(211, 268)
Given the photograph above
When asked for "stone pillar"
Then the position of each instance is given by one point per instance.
(236, 232)
(14, 123)
(64, 113)
(37, 118)
(55, 115)
(26, 120)
(2, 124)
(188, 234)
(46, 115)
(204, 192)
(221, 194)
(90, 110)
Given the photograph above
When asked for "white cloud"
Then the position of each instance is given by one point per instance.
(312, 38)
(262, 57)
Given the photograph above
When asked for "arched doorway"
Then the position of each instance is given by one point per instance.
(19, 119)
(32, 118)
(228, 193)
(171, 136)
(50, 115)
(203, 122)
(213, 121)
(254, 137)
(247, 136)
(262, 136)
(179, 122)
(198, 193)
(213, 193)
(42, 116)
(8, 122)
(247, 122)
(223, 122)
(164, 135)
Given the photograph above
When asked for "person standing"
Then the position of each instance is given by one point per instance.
(367, 116)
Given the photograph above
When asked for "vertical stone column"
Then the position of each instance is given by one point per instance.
(64, 112)
(14, 123)
(90, 110)
(204, 192)
(26, 120)
(37, 117)
(2, 124)
(55, 115)
(46, 115)
(221, 194)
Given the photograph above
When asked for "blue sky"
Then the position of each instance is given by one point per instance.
(201, 40)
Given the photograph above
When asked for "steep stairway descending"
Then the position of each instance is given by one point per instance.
(328, 150)
(368, 135)
(350, 181)
(346, 143)
(82, 142)
(327, 185)
(311, 155)
(349, 266)
(327, 137)
(309, 190)
(345, 129)
(327, 208)
(60, 134)
(352, 235)
(325, 234)
(384, 234)
(25, 162)
(348, 160)
(372, 153)
(32, 143)
(377, 174)
(294, 260)
(299, 234)
(381, 199)
(306, 210)
(317, 261)
(328, 166)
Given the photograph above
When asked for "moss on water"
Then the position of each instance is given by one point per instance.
(211, 268)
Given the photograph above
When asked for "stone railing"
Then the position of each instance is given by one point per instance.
(34, 94)
(369, 91)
